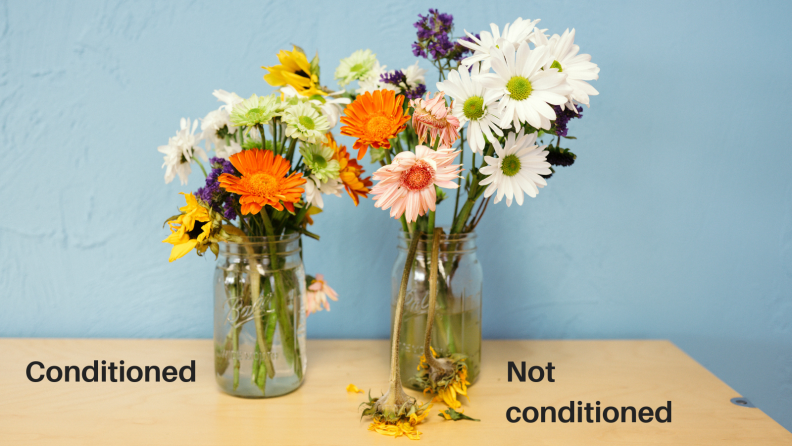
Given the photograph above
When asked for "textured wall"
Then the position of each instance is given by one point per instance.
(676, 221)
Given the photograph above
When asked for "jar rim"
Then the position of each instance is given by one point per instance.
(446, 236)
(262, 240)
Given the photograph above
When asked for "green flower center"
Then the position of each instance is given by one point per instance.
(307, 122)
(254, 114)
(519, 88)
(474, 107)
(510, 165)
(556, 64)
(356, 68)
(320, 162)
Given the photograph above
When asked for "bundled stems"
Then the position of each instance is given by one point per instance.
(395, 397)
(430, 359)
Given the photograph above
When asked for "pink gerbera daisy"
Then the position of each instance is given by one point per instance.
(407, 185)
(431, 116)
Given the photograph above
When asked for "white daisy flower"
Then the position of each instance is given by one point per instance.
(180, 150)
(415, 75)
(474, 103)
(515, 33)
(227, 150)
(230, 99)
(315, 188)
(517, 169)
(357, 66)
(373, 81)
(563, 55)
(304, 122)
(524, 88)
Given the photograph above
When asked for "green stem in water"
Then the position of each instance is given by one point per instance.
(263, 138)
(430, 359)
(395, 374)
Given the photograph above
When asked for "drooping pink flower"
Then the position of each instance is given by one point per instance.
(407, 185)
(432, 118)
(317, 294)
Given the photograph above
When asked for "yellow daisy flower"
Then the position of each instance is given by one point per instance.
(294, 70)
(190, 229)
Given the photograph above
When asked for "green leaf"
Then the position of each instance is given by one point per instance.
(569, 137)
(315, 65)
(170, 219)
(456, 416)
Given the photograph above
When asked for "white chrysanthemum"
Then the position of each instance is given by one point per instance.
(474, 103)
(315, 188)
(229, 149)
(415, 75)
(230, 99)
(563, 55)
(304, 122)
(517, 169)
(515, 33)
(180, 150)
(524, 88)
(357, 66)
(373, 81)
(214, 126)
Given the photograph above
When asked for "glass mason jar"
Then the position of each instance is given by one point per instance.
(457, 324)
(259, 316)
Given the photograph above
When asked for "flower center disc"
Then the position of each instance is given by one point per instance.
(254, 114)
(519, 88)
(557, 64)
(307, 122)
(262, 184)
(377, 127)
(356, 68)
(197, 229)
(417, 177)
(473, 107)
(510, 165)
(320, 162)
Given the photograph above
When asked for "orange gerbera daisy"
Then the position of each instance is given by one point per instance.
(263, 182)
(350, 172)
(373, 118)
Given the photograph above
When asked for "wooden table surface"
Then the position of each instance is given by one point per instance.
(321, 412)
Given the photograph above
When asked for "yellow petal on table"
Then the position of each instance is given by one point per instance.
(353, 389)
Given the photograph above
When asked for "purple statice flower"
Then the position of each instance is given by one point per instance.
(416, 92)
(433, 36)
(212, 194)
(397, 78)
(563, 117)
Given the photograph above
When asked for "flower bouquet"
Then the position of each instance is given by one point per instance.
(274, 160)
(516, 91)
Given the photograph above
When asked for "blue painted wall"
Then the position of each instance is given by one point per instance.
(675, 222)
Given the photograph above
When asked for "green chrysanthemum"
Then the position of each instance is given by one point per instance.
(256, 110)
(319, 158)
(356, 66)
(305, 123)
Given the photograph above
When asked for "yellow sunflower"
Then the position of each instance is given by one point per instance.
(294, 70)
(190, 229)
(447, 388)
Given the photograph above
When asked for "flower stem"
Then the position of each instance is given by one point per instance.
(430, 359)
(197, 161)
(395, 375)
(260, 128)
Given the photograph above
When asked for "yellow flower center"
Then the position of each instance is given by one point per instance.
(474, 107)
(519, 88)
(261, 184)
(417, 177)
(378, 127)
